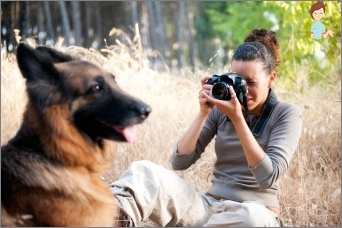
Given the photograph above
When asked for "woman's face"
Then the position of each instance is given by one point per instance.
(258, 83)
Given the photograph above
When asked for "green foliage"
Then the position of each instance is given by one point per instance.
(304, 59)
(320, 58)
(204, 30)
(238, 19)
(227, 23)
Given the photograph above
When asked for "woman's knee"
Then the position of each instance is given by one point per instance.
(257, 215)
(246, 214)
(143, 165)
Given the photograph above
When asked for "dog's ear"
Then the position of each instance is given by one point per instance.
(42, 78)
(37, 64)
(56, 56)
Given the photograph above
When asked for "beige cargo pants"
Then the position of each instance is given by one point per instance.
(150, 191)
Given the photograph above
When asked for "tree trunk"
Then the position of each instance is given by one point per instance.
(26, 23)
(180, 54)
(145, 26)
(41, 26)
(7, 27)
(134, 8)
(160, 28)
(190, 28)
(88, 30)
(76, 21)
(50, 28)
(22, 20)
(152, 24)
(65, 22)
(98, 15)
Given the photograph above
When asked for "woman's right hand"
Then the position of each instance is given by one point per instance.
(205, 105)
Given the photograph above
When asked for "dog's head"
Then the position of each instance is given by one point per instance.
(90, 96)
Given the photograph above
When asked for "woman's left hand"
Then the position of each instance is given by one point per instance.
(231, 108)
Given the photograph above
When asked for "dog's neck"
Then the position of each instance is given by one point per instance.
(28, 139)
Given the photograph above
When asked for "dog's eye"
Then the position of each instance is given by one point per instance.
(95, 88)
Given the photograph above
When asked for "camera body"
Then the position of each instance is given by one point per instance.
(221, 85)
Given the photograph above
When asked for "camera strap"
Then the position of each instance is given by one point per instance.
(270, 103)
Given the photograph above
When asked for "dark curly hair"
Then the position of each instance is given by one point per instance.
(260, 44)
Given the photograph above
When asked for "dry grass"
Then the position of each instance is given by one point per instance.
(310, 191)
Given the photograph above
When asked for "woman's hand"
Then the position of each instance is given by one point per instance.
(205, 105)
(231, 108)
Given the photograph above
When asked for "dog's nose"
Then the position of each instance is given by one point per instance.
(144, 110)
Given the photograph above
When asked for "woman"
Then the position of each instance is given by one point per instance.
(253, 152)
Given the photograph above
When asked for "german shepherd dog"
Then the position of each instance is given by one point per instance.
(51, 169)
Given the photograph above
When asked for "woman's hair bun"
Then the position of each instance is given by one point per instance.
(267, 38)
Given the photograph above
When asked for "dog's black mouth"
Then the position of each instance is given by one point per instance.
(110, 120)
(122, 133)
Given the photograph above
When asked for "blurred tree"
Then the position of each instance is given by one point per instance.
(49, 21)
(25, 19)
(76, 21)
(160, 29)
(65, 22)
(229, 22)
(40, 26)
(190, 29)
(98, 25)
(205, 34)
(155, 25)
(180, 31)
(134, 10)
(88, 30)
(8, 17)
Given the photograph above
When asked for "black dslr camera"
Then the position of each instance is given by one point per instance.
(221, 84)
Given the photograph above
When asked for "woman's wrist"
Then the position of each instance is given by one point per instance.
(238, 118)
(202, 114)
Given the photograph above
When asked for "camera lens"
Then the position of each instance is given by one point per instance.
(221, 91)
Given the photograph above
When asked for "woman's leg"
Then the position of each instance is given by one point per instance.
(229, 213)
(147, 190)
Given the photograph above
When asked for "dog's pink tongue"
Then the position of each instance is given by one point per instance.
(129, 133)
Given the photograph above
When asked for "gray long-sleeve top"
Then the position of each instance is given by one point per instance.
(232, 177)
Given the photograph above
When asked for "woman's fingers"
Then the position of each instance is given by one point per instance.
(232, 92)
(205, 79)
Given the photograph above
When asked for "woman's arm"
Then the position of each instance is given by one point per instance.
(187, 143)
